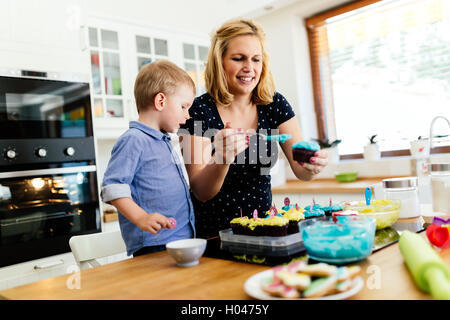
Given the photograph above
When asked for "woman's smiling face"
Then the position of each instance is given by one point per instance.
(242, 64)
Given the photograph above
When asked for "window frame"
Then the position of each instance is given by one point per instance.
(318, 20)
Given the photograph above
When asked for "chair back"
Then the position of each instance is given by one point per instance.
(86, 249)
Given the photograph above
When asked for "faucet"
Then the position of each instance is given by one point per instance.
(430, 145)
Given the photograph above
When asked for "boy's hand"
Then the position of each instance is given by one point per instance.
(153, 222)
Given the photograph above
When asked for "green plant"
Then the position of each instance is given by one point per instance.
(372, 139)
(325, 143)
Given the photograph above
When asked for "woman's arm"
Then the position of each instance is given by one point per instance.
(303, 171)
(207, 173)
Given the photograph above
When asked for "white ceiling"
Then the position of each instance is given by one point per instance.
(198, 16)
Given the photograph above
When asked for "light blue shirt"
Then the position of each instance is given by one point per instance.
(144, 167)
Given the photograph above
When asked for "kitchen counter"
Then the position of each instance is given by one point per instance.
(326, 186)
(155, 276)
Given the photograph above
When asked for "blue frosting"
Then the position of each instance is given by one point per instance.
(314, 212)
(335, 207)
(306, 145)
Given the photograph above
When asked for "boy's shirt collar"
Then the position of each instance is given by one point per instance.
(149, 130)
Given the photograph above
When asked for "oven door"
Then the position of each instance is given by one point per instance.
(44, 109)
(41, 209)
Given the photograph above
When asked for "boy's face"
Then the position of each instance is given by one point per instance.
(176, 110)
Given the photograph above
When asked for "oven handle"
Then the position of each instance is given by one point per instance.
(42, 172)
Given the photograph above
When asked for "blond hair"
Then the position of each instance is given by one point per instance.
(215, 78)
(158, 77)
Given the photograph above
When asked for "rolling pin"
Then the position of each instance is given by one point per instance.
(429, 271)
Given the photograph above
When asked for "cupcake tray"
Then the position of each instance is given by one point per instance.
(261, 245)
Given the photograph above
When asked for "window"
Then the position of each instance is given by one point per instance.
(381, 67)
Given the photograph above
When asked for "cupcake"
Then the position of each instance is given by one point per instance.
(294, 215)
(313, 211)
(331, 208)
(303, 151)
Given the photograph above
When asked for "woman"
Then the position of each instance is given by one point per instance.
(227, 164)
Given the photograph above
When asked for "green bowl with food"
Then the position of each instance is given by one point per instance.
(384, 211)
(349, 176)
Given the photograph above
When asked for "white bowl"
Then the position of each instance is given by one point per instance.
(186, 252)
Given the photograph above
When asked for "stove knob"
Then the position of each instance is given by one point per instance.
(70, 151)
(41, 153)
(11, 154)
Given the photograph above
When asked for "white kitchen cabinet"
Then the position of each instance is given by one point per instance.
(118, 49)
(43, 35)
(35, 270)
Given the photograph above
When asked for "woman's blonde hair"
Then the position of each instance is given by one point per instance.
(215, 78)
(160, 76)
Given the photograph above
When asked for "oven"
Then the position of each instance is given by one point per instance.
(48, 180)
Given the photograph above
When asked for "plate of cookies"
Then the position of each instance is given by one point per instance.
(301, 281)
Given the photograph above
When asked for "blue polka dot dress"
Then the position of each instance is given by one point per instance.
(247, 184)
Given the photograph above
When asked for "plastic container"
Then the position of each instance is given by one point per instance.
(384, 211)
(265, 246)
(407, 192)
(346, 176)
(440, 187)
(348, 240)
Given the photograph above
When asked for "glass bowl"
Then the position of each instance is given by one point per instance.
(384, 211)
(349, 239)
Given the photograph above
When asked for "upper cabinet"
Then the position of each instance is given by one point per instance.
(118, 50)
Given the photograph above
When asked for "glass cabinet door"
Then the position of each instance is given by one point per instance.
(106, 73)
(149, 49)
(195, 57)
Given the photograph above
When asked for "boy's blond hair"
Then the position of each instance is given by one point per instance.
(215, 78)
(160, 76)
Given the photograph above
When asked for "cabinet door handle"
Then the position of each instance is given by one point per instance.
(48, 265)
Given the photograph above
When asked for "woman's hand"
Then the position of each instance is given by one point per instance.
(228, 143)
(316, 163)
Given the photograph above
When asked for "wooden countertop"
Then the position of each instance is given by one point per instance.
(156, 277)
(326, 186)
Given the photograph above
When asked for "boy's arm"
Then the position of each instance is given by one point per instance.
(150, 222)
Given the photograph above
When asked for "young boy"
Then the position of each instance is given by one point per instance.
(143, 180)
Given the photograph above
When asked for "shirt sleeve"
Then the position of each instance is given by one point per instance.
(281, 110)
(121, 168)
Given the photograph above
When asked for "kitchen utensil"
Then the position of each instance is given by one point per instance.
(277, 137)
(368, 195)
(426, 267)
(384, 211)
(186, 252)
(349, 239)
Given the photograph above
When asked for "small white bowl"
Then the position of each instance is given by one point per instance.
(186, 252)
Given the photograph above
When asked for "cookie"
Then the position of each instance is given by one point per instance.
(343, 286)
(318, 270)
(280, 290)
(321, 287)
(294, 280)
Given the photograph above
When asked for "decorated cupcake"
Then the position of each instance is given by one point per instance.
(273, 225)
(294, 215)
(313, 211)
(303, 151)
(331, 208)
